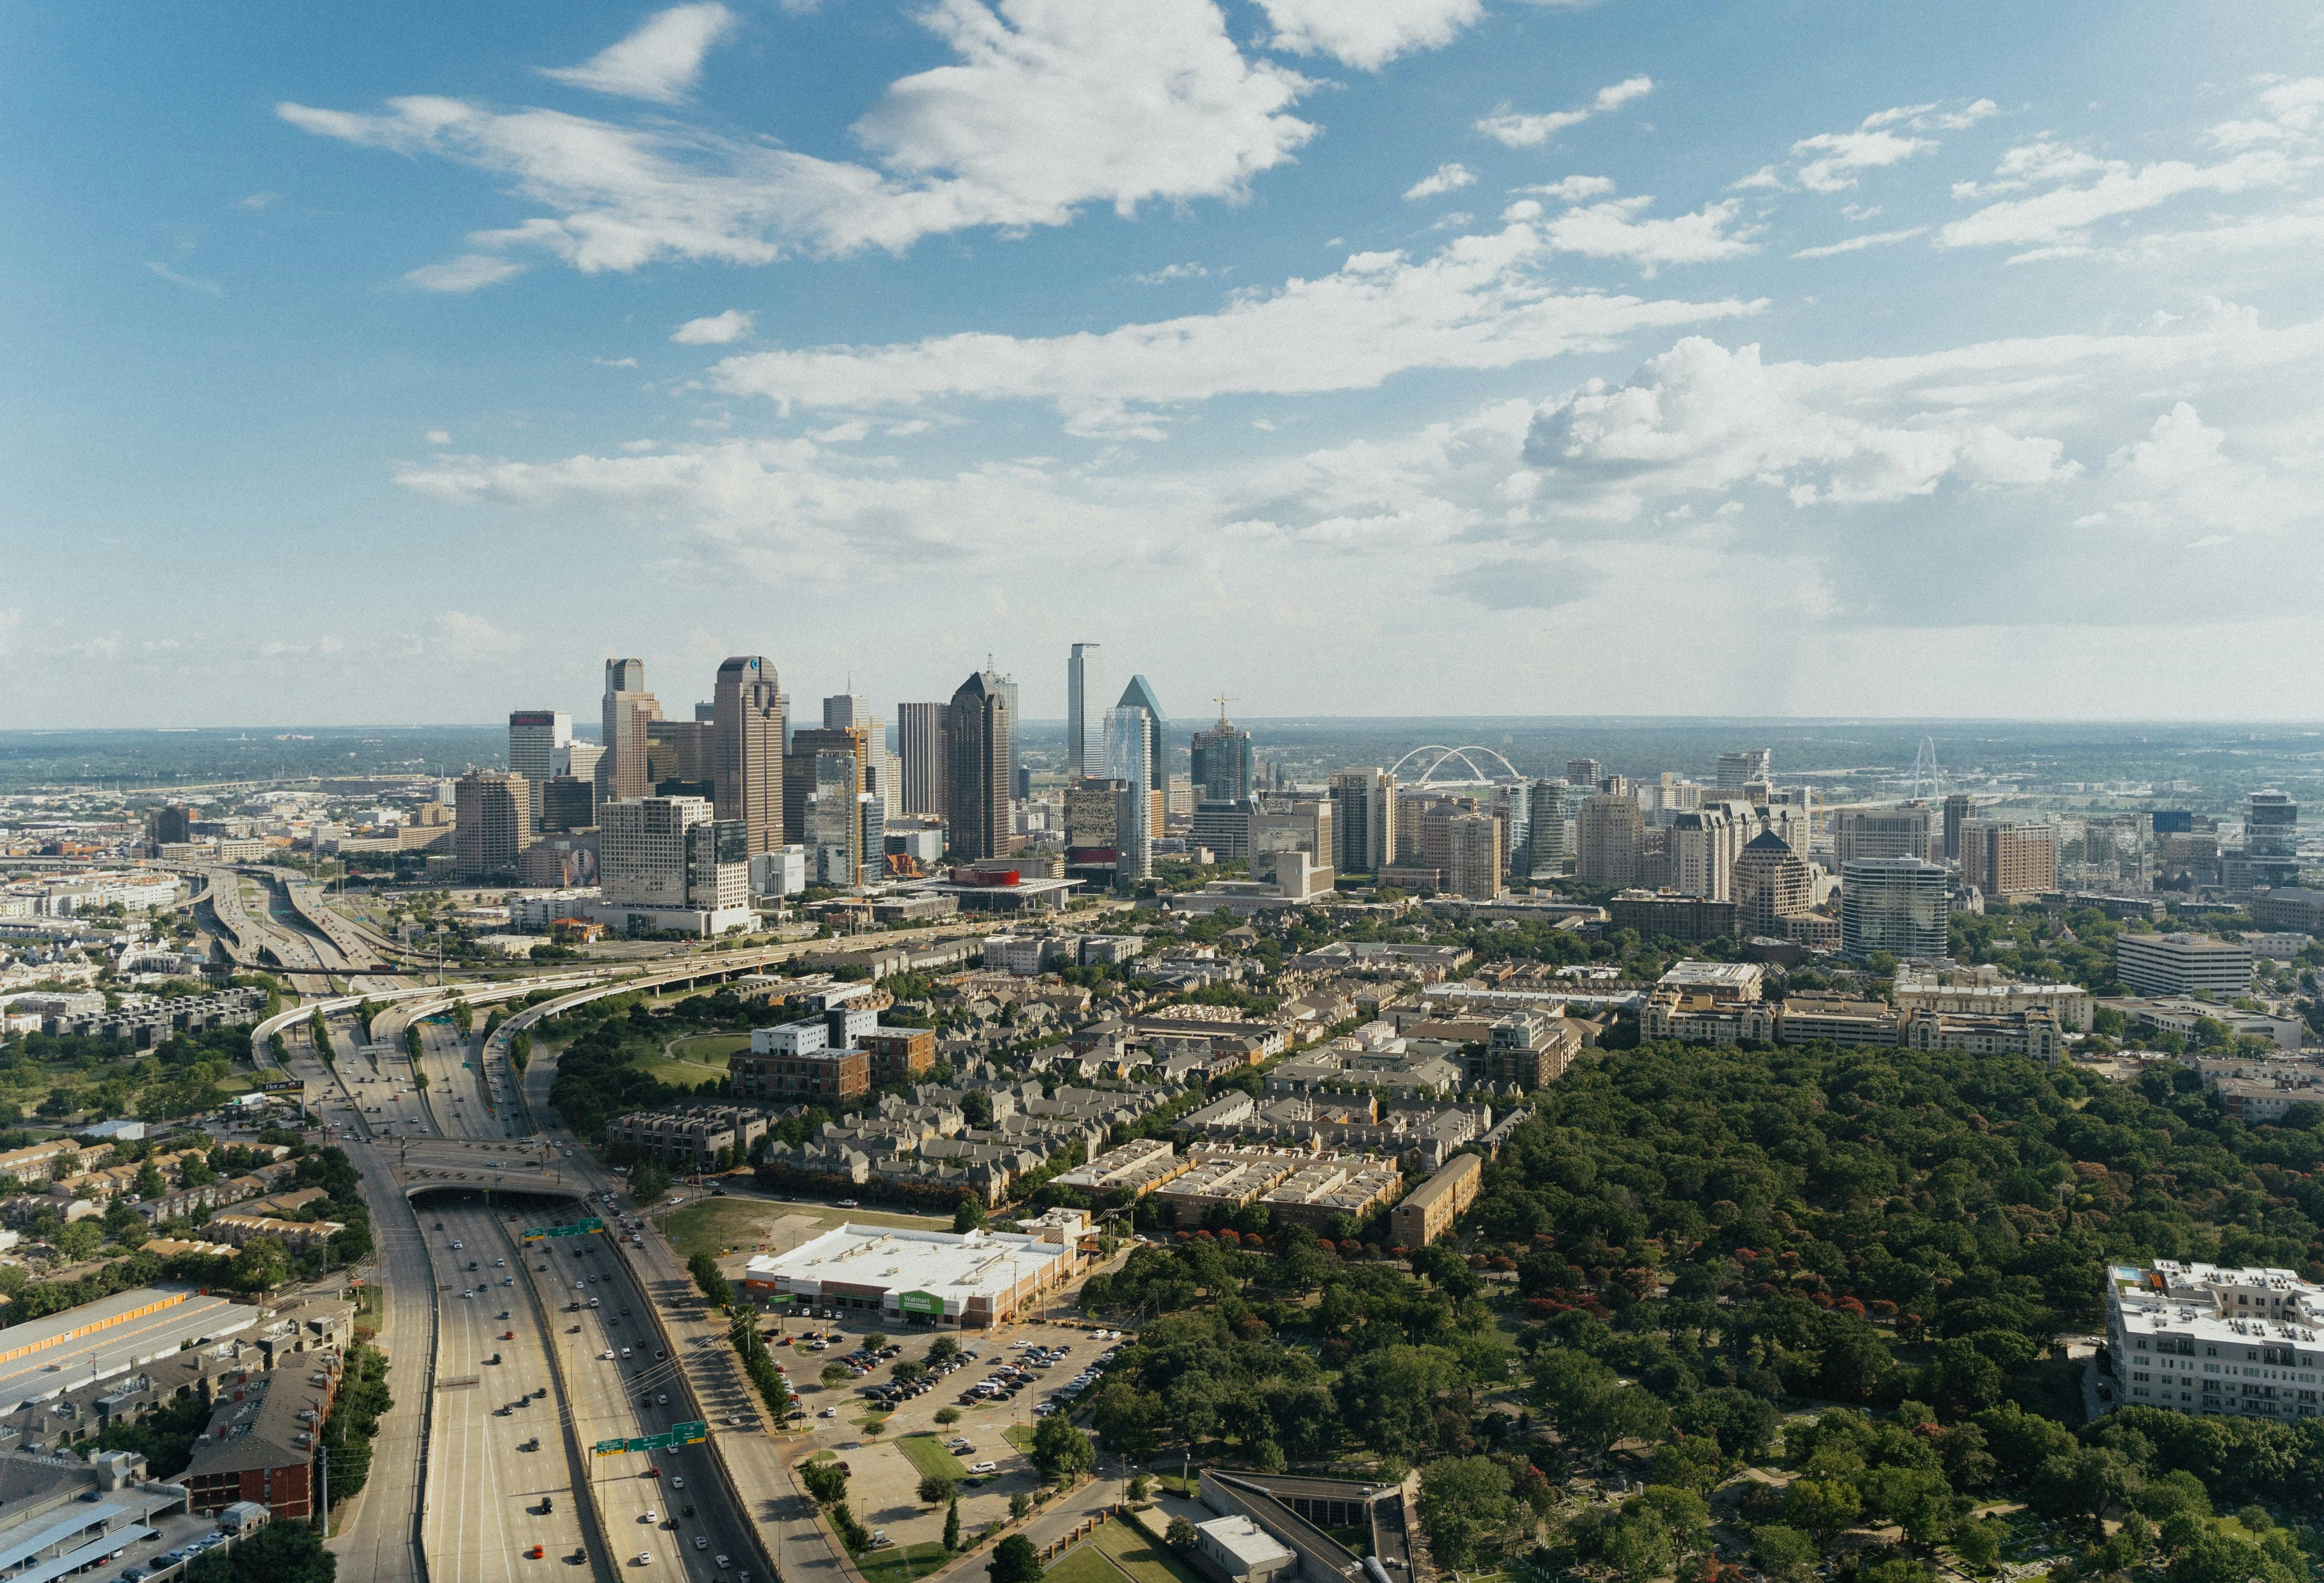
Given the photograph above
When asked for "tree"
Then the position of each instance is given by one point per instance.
(943, 1349)
(1461, 1500)
(149, 1182)
(80, 1240)
(969, 1215)
(946, 1417)
(263, 1264)
(1823, 1507)
(649, 1180)
(825, 1482)
(1977, 1544)
(1784, 1554)
(1392, 1392)
(876, 1341)
(936, 1490)
(952, 1523)
(1180, 1535)
(1014, 1560)
(1060, 1451)
(280, 1552)
(1128, 1421)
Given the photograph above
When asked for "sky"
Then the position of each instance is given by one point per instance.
(399, 363)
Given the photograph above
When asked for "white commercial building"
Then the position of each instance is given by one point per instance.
(1983, 991)
(2182, 964)
(2196, 1337)
(975, 1279)
(666, 864)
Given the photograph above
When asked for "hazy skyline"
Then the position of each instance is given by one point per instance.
(1395, 356)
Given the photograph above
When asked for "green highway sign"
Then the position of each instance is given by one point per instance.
(687, 1434)
(677, 1435)
(610, 1448)
(589, 1227)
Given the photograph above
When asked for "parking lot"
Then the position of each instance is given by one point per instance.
(998, 1384)
(182, 1539)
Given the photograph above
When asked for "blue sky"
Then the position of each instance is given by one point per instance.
(1352, 356)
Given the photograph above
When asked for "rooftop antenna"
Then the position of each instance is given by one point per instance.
(1222, 700)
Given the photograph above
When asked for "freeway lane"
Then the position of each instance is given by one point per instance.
(496, 1446)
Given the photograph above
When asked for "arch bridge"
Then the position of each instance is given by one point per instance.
(1444, 755)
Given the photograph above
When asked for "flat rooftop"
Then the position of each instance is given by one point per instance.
(48, 1358)
(883, 1258)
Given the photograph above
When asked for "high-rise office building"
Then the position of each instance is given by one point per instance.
(829, 779)
(1127, 734)
(1474, 867)
(670, 862)
(919, 733)
(1902, 906)
(2270, 854)
(1279, 825)
(578, 759)
(2009, 857)
(746, 751)
(1085, 707)
(1740, 770)
(1608, 834)
(1222, 762)
(1902, 832)
(1005, 688)
(1771, 883)
(679, 758)
(800, 775)
(1958, 806)
(1139, 694)
(627, 711)
(491, 823)
(978, 727)
(567, 803)
(1585, 774)
(534, 737)
(1704, 844)
(1363, 820)
(1545, 853)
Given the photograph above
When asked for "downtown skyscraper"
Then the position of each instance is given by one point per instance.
(746, 731)
(978, 725)
(1084, 710)
(629, 709)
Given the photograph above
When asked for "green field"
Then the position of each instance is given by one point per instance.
(1084, 1563)
(926, 1453)
(901, 1563)
(713, 1225)
(694, 1060)
(1140, 1556)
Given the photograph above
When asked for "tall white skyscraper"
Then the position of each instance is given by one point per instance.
(1084, 708)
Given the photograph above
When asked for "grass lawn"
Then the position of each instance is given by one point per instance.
(1084, 1563)
(696, 1059)
(713, 1225)
(926, 1453)
(1140, 1556)
(901, 1563)
(1020, 1435)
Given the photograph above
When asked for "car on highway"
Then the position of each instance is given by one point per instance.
(678, 1481)
(700, 1542)
(651, 1515)
(645, 1557)
(722, 1563)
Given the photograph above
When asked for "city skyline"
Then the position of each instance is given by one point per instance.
(1935, 364)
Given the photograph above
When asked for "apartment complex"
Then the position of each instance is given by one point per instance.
(2183, 964)
(2205, 1338)
(1428, 1211)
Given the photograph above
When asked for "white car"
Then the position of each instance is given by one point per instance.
(651, 1515)
(722, 1563)
(645, 1557)
(605, 1357)
(700, 1542)
(984, 1466)
(676, 1481)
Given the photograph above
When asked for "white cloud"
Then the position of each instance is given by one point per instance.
(207, 288)
(1050, 105)
(1368, 35)
(1858, 244)
(470, 639)
(1614, 229)
(1517, 131)
(1168, 272)
(2064, 214)
(1446, 178)
(470, 272)
(1571, 188)
(1835, 162)
(714, 331)
(661, 61)
(258, 200)
(1479, 303)
(2183, 473)
(439, 436)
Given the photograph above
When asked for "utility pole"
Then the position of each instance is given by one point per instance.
(326, 1490)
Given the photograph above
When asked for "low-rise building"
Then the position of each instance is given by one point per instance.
(2205, 1338)
(1428, 1211)
(234, 1227)
(2183, 964)
(693, 1137)
(973, 1280)
(899, 1055)
(260, 1443)
(1136, 1168)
